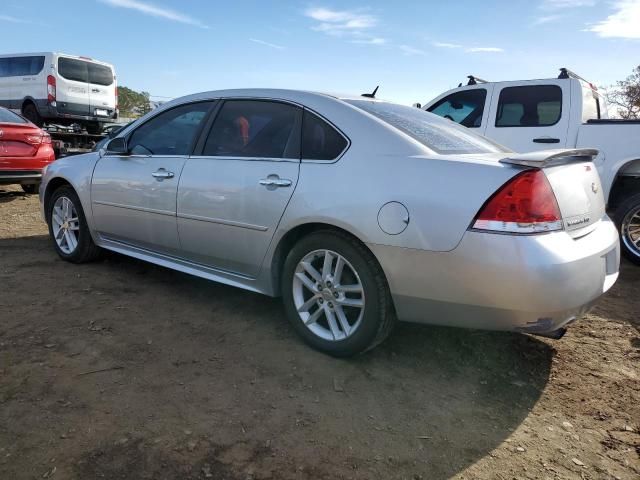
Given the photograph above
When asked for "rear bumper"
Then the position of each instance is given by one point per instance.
(533, 284)
(70, 111)
(8, 177)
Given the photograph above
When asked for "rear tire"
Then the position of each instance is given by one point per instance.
(73, 244)
(318, 309)
(30, 188)
(94, 128)
(627, 217)
(31, 113)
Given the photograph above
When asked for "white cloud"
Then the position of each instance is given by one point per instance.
(267, 44)
(409, 50)
(484, 49)
(469, 49)
(547, 19)
(8, 18)
(342, 19)
(446, 45)
(562, 4)
(155, 11)
(370, 41)
(352, 24)
(623, 23)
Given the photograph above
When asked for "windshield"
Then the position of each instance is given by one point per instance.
(7, 116)
(440, 135)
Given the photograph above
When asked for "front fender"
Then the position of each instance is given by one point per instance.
(77, 171)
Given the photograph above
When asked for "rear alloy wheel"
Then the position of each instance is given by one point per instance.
(30, 188)
(68, 227)
(336, 295)
(628, 220)
(31, 113)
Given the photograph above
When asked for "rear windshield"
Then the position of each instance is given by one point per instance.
(440, 135)
(86, 72)
(7, 116)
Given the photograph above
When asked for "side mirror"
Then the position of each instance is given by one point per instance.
(417, 105)
(118, 146)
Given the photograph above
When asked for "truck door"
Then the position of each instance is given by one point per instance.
(72, 86)
(531, 116)
(102, 90)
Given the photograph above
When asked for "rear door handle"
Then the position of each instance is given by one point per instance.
(274, 181)
(546, 140)
(161, 174)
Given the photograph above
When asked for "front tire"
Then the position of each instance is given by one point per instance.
(68, 227)
(335, 294)
(627, 217)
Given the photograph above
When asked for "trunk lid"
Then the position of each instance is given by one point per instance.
(19, 140)
(575, 183)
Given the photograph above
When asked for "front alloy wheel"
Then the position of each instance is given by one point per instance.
(65, 225)
(336, 295)
(68, 227)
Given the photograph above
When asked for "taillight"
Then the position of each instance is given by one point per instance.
(34, 138)
(116, 98)
(525, 204)
(46, 138)
(51, 89)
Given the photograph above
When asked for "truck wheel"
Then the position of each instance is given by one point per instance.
(31, 112)
(627, 218)
(94, 128)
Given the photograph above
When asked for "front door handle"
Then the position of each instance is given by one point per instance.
(274, 181)
(161, 174)
(546, 140)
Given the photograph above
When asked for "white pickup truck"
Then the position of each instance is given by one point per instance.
(563, 112)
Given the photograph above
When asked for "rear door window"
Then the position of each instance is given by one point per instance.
(529, 106)
(255, 128)
(169, 133)
(465, 107)
(320, 141)
(73, 69)
(100, 74)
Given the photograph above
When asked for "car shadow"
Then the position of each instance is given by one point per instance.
(223, 365)
(10, 195)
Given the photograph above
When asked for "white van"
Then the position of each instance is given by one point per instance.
(59, 88)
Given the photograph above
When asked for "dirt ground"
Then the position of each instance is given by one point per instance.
(123, 370)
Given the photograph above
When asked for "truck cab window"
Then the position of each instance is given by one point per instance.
(533, 106)
(465, 108)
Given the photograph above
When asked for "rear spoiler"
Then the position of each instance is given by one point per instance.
(548, 158)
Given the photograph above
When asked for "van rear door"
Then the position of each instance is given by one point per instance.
(72, 89)
(102, 90)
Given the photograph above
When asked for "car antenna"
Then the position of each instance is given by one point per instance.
(372, 94)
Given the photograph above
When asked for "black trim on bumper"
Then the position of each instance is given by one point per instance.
(17, 176)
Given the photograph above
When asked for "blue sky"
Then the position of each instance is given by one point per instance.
(413, 50)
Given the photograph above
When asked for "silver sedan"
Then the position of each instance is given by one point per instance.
(358, 212)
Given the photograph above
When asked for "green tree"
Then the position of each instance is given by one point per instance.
(625, 95)
(132, 104)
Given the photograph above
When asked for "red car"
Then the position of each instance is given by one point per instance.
(24, 151)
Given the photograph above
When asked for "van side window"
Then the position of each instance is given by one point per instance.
(465, 107)
(532, 106)
(171, 132)
(21, 66)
